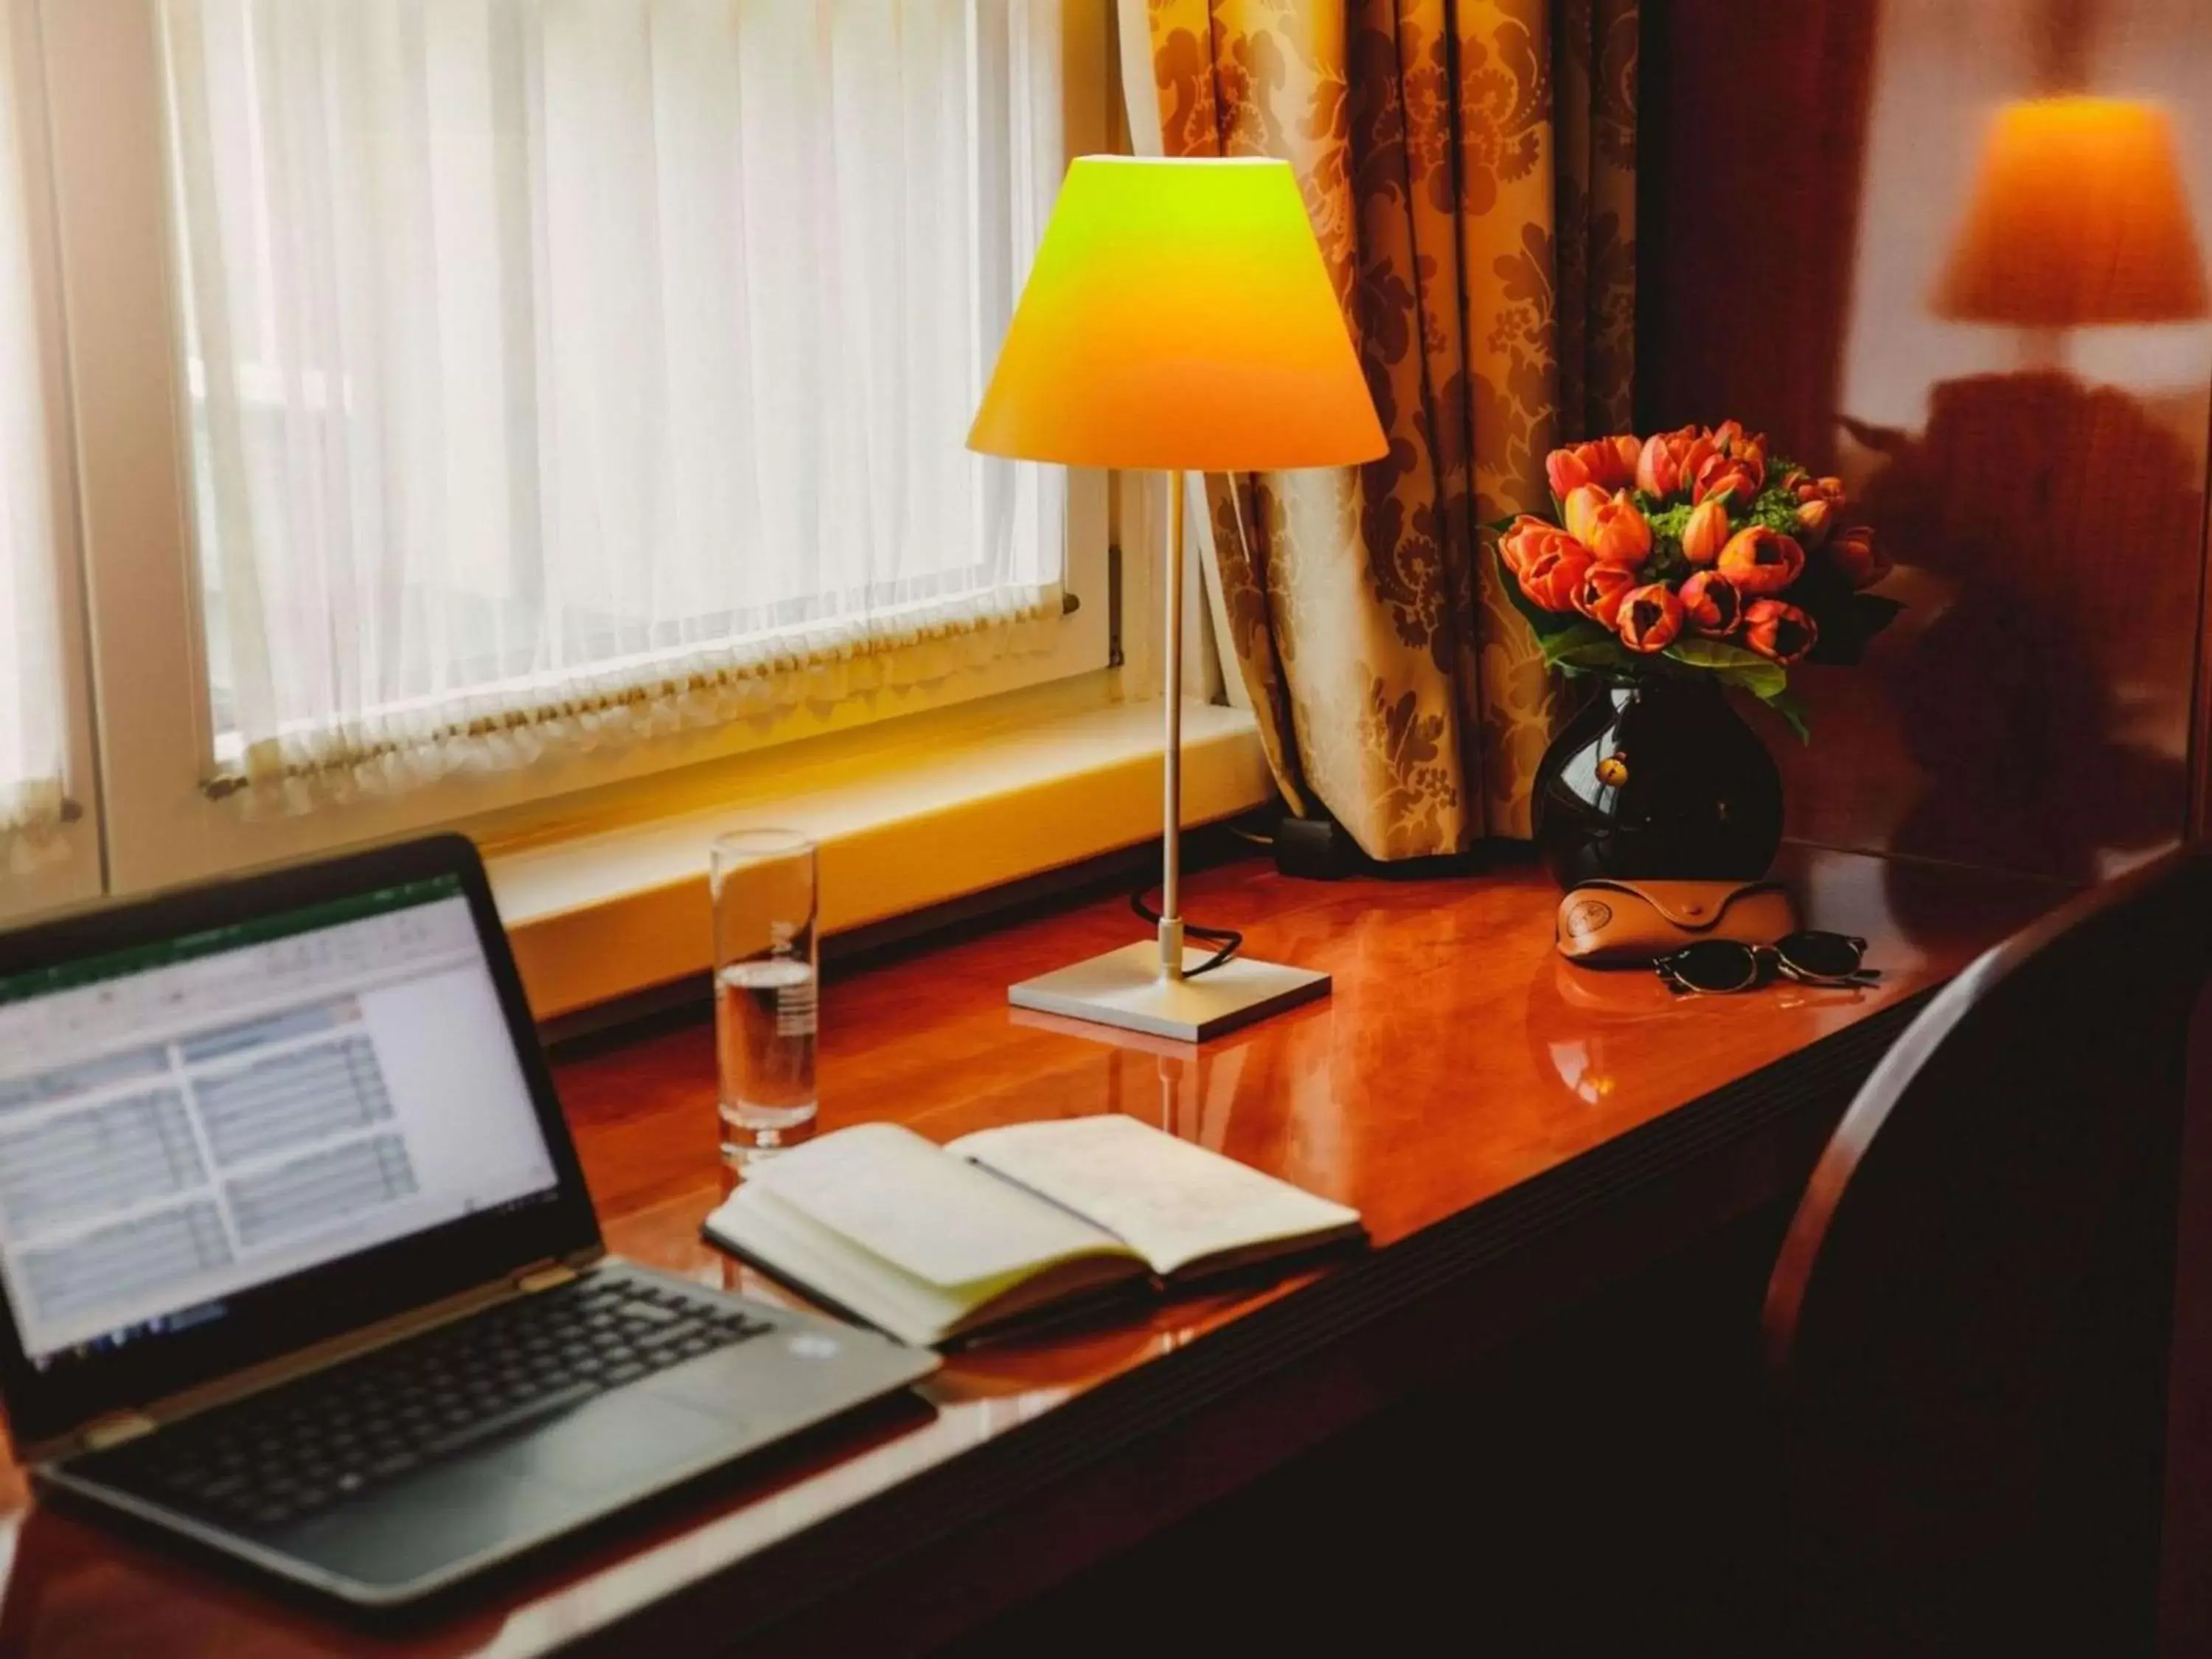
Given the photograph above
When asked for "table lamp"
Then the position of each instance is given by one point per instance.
(2078, 218)
(1178, 318)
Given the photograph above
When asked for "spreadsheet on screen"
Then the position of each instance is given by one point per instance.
(192, 1118)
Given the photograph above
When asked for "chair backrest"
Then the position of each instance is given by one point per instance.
(1969, 1320)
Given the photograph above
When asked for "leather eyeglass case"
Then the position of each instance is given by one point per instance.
(1621, 924)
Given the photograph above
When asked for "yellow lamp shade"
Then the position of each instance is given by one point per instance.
(2079, 217)
(1178, 315)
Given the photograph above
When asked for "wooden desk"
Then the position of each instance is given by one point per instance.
(1516, 1133)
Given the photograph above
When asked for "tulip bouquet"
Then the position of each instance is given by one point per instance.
(1694, 553)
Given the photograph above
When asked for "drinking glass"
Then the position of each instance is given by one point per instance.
(762, 887)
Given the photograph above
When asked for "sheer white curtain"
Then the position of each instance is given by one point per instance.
(562, 367)
(32, 733)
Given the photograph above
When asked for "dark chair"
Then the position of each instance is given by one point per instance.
(1969, 1320)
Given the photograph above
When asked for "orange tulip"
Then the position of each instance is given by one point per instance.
(1650, 617)
(1778, 630)
(1608, 463)
(1711, 603)
(1741, 476)
(1815, 517)
(1735, 460)
(1579, 508)
(1806, 488)
(1522, 539)
(1551, 576)
(1744, 445)
(1603, 588)
(1620, 471)
(1858, 557)
(1669, 460)
(1566, 472)
(1706, 531)
(1616, 534)
(1759, 561)
(1657, 472)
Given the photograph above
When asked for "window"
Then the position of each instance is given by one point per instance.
(481, 399)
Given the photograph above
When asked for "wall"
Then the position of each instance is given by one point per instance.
(1810, 164)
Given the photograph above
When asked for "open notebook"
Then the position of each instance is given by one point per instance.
(934, 1244)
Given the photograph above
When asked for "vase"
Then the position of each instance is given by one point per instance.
(1657, 778)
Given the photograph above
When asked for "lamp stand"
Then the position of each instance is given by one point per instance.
(1150, 986)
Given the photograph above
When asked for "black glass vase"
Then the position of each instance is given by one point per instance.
(1658, 779)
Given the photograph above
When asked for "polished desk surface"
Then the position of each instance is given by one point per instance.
(1457, 1058)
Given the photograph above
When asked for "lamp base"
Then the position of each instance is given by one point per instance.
(1125, 988)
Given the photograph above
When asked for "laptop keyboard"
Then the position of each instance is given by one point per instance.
(286, 1454)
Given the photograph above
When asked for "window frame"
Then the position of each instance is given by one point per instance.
(102, 71)
(67, 867)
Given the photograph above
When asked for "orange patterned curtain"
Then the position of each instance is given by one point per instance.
(1471, 172)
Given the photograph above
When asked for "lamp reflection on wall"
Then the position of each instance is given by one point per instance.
(2079, 218)
(1178, 318)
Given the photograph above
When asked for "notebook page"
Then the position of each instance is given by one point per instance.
(1175, 1203)
(938, 1218)
(824, 1265)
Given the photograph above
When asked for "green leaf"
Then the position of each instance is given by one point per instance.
(1777, 511)
(1702, 653)
(1594, 653)
(1792, 707)
(1744, 670)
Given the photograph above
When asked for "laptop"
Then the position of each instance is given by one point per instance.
(297, 1260)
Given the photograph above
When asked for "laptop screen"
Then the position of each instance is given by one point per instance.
(188, 1120)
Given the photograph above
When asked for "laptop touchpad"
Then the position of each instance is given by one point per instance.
(427, 1523)
(621, 1442)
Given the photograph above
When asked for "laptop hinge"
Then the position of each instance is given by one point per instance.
(544, 1277)
(115, 1429)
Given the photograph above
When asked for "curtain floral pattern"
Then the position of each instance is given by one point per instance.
(1470, 169)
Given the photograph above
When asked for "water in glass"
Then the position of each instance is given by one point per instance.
(763, 884)
(764, 1028)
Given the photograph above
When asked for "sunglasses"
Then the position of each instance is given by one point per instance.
(1811, 958)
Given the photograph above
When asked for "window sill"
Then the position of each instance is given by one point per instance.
(908, 816)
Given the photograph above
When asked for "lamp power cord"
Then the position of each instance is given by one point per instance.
(1226, 941)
